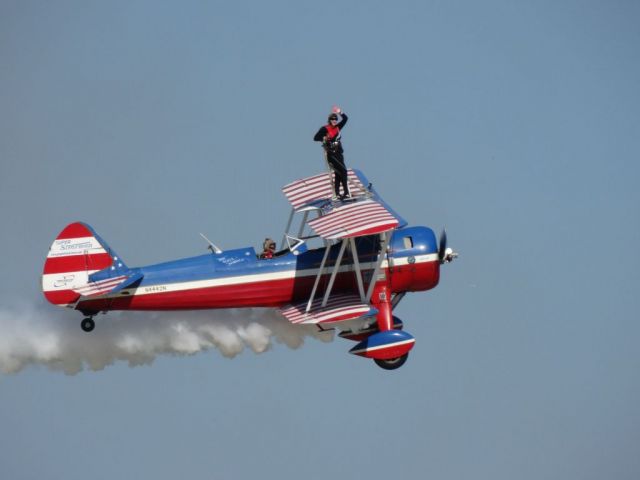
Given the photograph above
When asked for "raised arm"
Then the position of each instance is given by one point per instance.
(343, 120)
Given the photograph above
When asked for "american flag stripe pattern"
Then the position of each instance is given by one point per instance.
(352, 220)
(98, 288)
(319, 187)
(339, 308)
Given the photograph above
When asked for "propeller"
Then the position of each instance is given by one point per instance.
(445, 254)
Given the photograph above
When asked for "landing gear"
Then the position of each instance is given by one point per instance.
(392, 363)
(88, 324)
(397, 323)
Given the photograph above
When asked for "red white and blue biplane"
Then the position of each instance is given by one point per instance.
(366, 259)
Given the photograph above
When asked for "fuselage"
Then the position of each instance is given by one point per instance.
(238, 278)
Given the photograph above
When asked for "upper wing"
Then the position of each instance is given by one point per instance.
(367, 217)
(365, 214)
(311, 192)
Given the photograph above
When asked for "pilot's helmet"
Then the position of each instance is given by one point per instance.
(269, 244)
(333, 116)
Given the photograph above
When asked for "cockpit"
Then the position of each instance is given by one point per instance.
(293, 245)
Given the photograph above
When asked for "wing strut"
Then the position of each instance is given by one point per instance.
(336, 268)
(304, 223)
(396, 299)
(290, 221)
(356, 265)
(286, 230)
(385, 237)
(315, 285)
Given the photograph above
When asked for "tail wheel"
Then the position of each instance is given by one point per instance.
(392, 363)
(88, 324)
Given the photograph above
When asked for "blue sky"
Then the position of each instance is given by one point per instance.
(513, 124)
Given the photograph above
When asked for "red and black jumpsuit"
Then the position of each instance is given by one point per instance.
(330, 138)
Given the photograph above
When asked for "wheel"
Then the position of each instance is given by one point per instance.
(88, 324)
(392, 363)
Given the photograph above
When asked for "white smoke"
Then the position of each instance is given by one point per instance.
(31, 335)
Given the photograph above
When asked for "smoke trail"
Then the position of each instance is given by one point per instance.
(31, 335)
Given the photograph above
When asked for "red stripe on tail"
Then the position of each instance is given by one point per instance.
(77, 263)
(75, 230)
(63, 297)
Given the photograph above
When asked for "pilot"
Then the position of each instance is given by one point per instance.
(329, 135)
(269, 248)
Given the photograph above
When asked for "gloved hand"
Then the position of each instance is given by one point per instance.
(336, 109)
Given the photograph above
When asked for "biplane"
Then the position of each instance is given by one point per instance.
(345, 265)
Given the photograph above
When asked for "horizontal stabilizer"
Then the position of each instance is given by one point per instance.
(108, 285)
(339, 308)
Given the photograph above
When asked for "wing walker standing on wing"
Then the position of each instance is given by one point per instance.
(367, 260)
(331, 139)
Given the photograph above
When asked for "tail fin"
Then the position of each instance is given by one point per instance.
(76, 253)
